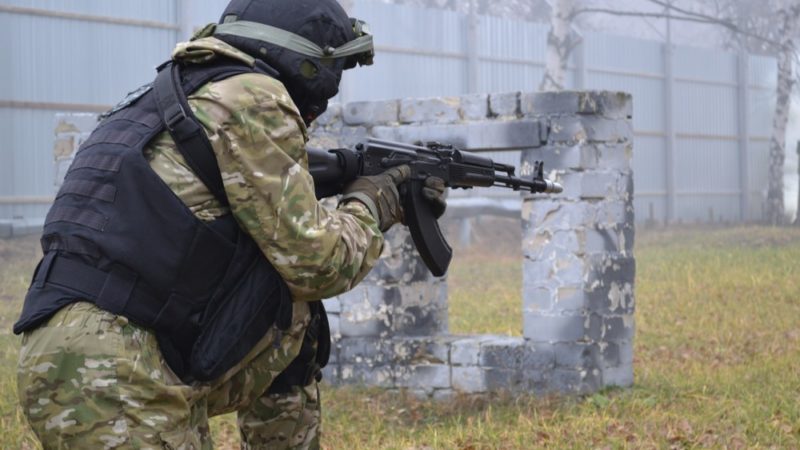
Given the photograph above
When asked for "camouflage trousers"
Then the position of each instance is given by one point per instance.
(90, 379)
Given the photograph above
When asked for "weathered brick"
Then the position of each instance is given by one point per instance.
(504, 105)
(613, 105)
(349, 137)
(593, 328)
(465, 352)
(538, 270)
(420, 310)
(589, 129)
(429, 377)
(431, 110)
(497, 135)
(618, 328)
(569, 269)
(615, 156)
(503, 352)
(607, 268)
(443, 395)
(332, 117)
(577, 381)
(540, 241)
(366, 310)
(613, 212)
(571, 299)
(540, 328)
(578, 355)
(365, 351)
(371, 113)
(554, 215)
(611, 353)
(592, 185)
(538, 299)
(505, 380)
(475, 107)
(611, 298)
(539, 359)
(469, 379)
(381, 376)
(561, 157)
(421, 350)
(606, 239)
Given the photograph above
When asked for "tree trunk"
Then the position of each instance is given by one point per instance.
(797, 212)
(777, 147)
(559, 46)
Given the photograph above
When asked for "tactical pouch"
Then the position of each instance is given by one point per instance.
(234, 322)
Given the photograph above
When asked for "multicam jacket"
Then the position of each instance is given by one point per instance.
(258, 137)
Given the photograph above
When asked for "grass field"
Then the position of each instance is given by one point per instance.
(717, 356)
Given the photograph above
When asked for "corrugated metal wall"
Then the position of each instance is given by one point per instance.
(69, 55)
(66, 56)
(425, 53)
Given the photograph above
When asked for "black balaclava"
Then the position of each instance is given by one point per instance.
(310, 81)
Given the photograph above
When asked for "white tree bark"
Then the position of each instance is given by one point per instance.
(559, 46)
(797, 211)
(777, 146)
(788, 27)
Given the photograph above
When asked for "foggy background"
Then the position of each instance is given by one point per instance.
(83, 56)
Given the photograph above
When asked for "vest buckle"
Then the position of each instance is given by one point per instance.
(173, 116)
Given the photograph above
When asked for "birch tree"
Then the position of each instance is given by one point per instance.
(788, 23)
(560, 42)
(770, 25)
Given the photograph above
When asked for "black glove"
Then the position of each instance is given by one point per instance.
(379, 194)
(434, 193)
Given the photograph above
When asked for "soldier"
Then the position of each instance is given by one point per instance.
(186, 254)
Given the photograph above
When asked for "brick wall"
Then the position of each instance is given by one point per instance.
(579, 269)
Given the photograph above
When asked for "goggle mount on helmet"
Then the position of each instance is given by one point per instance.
(360, 51)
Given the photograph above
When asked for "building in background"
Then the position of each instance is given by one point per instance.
(83, 56)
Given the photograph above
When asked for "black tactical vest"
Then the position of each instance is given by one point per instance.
(117, 236)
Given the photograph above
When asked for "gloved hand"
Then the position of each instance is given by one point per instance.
(379, 193)
(434, 193)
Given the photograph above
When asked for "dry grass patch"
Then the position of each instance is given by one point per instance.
(717, 355)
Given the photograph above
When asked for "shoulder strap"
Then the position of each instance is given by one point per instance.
(186, 131)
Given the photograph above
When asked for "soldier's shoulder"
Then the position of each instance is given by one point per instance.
(243, 91)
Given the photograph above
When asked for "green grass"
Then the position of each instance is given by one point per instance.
(717, 357)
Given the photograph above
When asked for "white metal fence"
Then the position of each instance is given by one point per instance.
(701, 117)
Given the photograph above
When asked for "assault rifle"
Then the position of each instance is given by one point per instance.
(333, 169)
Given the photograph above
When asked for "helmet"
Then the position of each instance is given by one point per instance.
(309, 42)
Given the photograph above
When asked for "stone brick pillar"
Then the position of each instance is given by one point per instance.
(375, 323)
(579, 269)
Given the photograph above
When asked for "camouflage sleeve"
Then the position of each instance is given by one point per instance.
(259, 139)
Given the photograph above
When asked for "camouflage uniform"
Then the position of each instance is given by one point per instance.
(90, 379)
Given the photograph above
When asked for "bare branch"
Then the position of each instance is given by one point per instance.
(696, 18)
